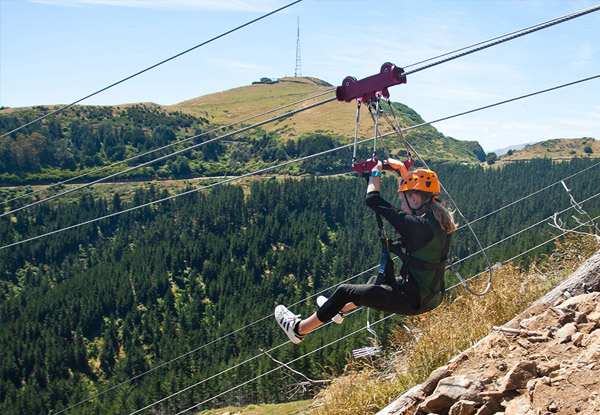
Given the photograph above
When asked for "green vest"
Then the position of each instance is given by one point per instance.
(431, 282)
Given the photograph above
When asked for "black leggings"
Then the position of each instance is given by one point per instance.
(400, 298)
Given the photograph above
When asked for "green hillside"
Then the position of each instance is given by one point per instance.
(141, 305)
(83, 139)
(89, 308)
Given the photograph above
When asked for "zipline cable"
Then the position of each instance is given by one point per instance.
(525, 229)
(460, 114)
(529, 250)
(328, 344)
(508, 38)
(192, 147)
(322, 291)
(288, 162)
(497, 40)
(152, 67)
(211, 343)
(225, 127)
(555, 21)
(487, 44)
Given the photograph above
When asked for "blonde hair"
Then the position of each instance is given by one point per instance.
(444, 217)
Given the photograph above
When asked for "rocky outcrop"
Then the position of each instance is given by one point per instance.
(544, 361)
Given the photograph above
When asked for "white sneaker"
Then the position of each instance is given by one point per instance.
(287, 321)
(339, 317)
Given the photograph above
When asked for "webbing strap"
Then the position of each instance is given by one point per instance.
(384, 258)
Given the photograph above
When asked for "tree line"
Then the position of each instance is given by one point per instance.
(86, 309)
(81, 140)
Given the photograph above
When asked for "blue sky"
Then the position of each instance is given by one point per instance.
(58, 51)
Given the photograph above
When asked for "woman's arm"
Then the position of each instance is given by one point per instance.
(373, 185)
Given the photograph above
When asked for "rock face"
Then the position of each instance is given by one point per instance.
(545, 361)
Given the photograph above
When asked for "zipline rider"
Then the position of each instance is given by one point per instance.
(425, 227)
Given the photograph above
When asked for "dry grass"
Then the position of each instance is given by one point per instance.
(439, 335)
(265, 409)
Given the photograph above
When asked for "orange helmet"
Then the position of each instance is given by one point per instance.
(420, 179)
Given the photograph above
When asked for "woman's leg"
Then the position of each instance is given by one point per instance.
(400, 299)
(311, 323)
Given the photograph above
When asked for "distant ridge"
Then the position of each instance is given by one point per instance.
(516, 147)
(555, 149)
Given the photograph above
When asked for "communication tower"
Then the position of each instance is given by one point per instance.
(298, 70)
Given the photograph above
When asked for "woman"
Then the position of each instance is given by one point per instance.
(425, 227)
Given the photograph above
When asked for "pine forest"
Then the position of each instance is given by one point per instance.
(175, 299)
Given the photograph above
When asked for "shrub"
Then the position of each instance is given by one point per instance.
(465, 319)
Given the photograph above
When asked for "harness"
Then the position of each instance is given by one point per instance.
(413, 266)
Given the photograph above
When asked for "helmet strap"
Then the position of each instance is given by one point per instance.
(415, 211)
(412, 211)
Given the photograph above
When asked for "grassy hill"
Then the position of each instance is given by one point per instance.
(557, 149)
(334, 118)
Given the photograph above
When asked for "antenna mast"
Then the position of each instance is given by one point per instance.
(298, 70)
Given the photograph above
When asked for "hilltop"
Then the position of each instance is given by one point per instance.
(239, 103)
(557, 149)
(336, 119)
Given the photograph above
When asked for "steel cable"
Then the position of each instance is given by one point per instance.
(325, 345)
(151, 67)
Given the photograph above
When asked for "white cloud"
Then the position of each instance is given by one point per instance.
(235, 66)
(579, 122)
(216, 5)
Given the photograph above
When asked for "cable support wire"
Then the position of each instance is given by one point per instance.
(511, 36)
(287, 114)
(179, 392)
(329, 288)
(525, 229)
(556, 20)
(497, 39)
(527, 251)
(213, 342)
(228, 180)
(279, 367)
(225, 127)
(530, 195)
(328, 344)
(151, 67)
